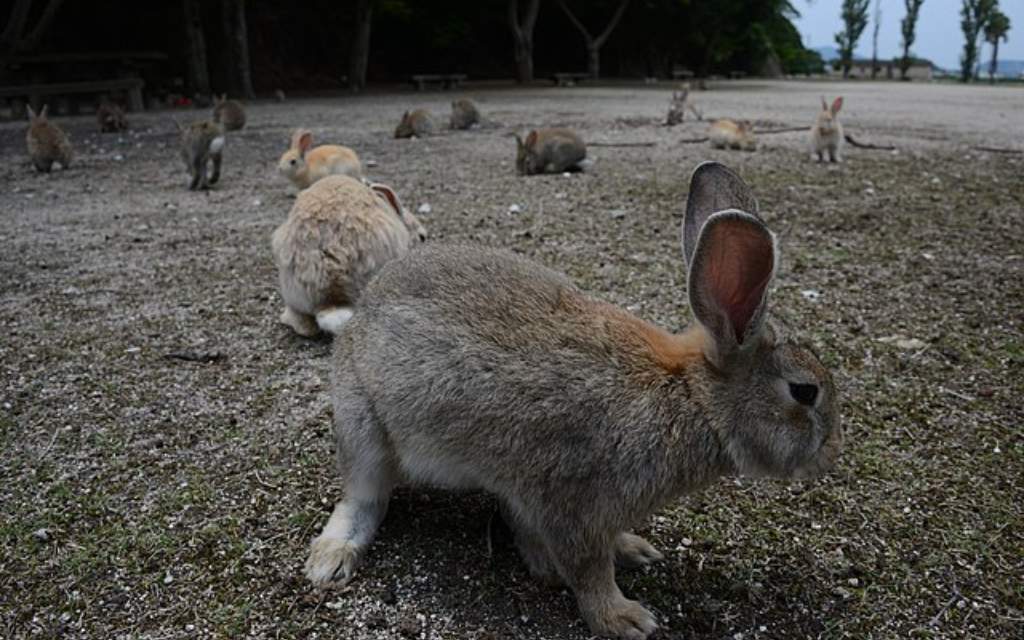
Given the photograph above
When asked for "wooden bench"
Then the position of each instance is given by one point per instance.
(682, 74)
(737, 75)
(564, 79)
(36, 92)
(446, 80)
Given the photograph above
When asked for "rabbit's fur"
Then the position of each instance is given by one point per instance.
(303, 165)
(417, 123)
(229, 113)
(337, 236)
(46, 142)
(549, 151)
(732, 134)
(475, 368)
(200, 143)
(464, 114)
(110, 117)
(827, 132)
(678, 107)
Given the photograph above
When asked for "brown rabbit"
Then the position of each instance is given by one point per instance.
(464, 114)
(46, 142)
(110, 117)
(732, 134)
(229, 113)
(417, 123)
(475, 368)
(201, 143)
(550, 151)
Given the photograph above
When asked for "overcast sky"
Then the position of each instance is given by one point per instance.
(939, 37)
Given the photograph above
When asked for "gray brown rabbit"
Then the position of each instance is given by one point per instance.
(678, 107)
(46, 142)
(464, 114)
(417, 123)
(549, 151)
(229, 113)
(110, 117)
(475, 368)
(202, 143)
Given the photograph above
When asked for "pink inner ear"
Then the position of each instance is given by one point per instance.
(531, 139)
(837, 104)
(739, 268)
(390, 196)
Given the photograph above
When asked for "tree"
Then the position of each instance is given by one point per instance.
(874, 39)
(974, 14)
(16, 36)
(522, 37)
(907, 26)
(237, 48)
(198, 72)
(855, 18)
(594, 44)
(359, 54)
(996, 28)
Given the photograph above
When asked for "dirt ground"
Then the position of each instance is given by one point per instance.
(145, 496)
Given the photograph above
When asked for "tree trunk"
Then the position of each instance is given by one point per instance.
(198, 74)
(593, 59)
(992, 65)
(239, 72)
(522, 38)
(359, 57)
(14, 38)
(594, 44)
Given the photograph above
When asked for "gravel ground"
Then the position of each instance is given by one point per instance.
(146, 496)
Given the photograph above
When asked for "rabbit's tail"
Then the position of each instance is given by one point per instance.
(333, 319)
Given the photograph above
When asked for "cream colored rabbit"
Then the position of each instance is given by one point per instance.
(339, 233)
(827, 132)
(732, 134)
(303, 164)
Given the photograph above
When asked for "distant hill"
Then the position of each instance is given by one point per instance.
(828, 54)
(1006, 68)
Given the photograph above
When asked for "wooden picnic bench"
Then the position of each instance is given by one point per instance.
(564, 79)
(682, 74)
(35, 93)
(446, 80)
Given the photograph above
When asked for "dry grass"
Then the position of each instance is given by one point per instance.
(152, 497)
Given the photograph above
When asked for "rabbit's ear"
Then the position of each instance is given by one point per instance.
(519, 140)
(824, 104)
(31, 112)
(837, 104)
(713, 188)
(531, 139)
(390, 196)
(732, 267)
(305, 142)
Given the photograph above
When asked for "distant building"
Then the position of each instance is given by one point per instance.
(920, 69)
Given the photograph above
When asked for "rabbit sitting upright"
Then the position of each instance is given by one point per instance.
(468, 367)
(827, 132)
(47, 143)
(200, 143)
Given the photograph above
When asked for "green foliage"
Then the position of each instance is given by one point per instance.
(907, 28)
(974, 15)
(855, 19)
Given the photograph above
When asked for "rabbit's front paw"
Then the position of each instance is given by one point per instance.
(331, 560)
(624, 619)
(633, 551)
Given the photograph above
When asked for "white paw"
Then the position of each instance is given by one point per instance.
(331, 560)
(625, 619)
(633, 551)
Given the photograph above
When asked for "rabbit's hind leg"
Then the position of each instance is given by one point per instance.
(632, 551)
(369, 479)
(302, 324)
(531, 548)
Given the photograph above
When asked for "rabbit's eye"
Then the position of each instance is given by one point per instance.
(805, 394)
(292, 162)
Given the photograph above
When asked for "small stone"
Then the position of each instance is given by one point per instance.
(42, 535)
(119, 157)
(870, 191)
(424, 209)
(811, 294)
(514, 208)
(618, 214)
(168, 579)
(371, 163)
(986, 392)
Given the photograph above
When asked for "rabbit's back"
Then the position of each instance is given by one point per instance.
(231, 114)
(48, 144)
(530, 382)
(331, 159)
(560, 149)
(335, 239)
